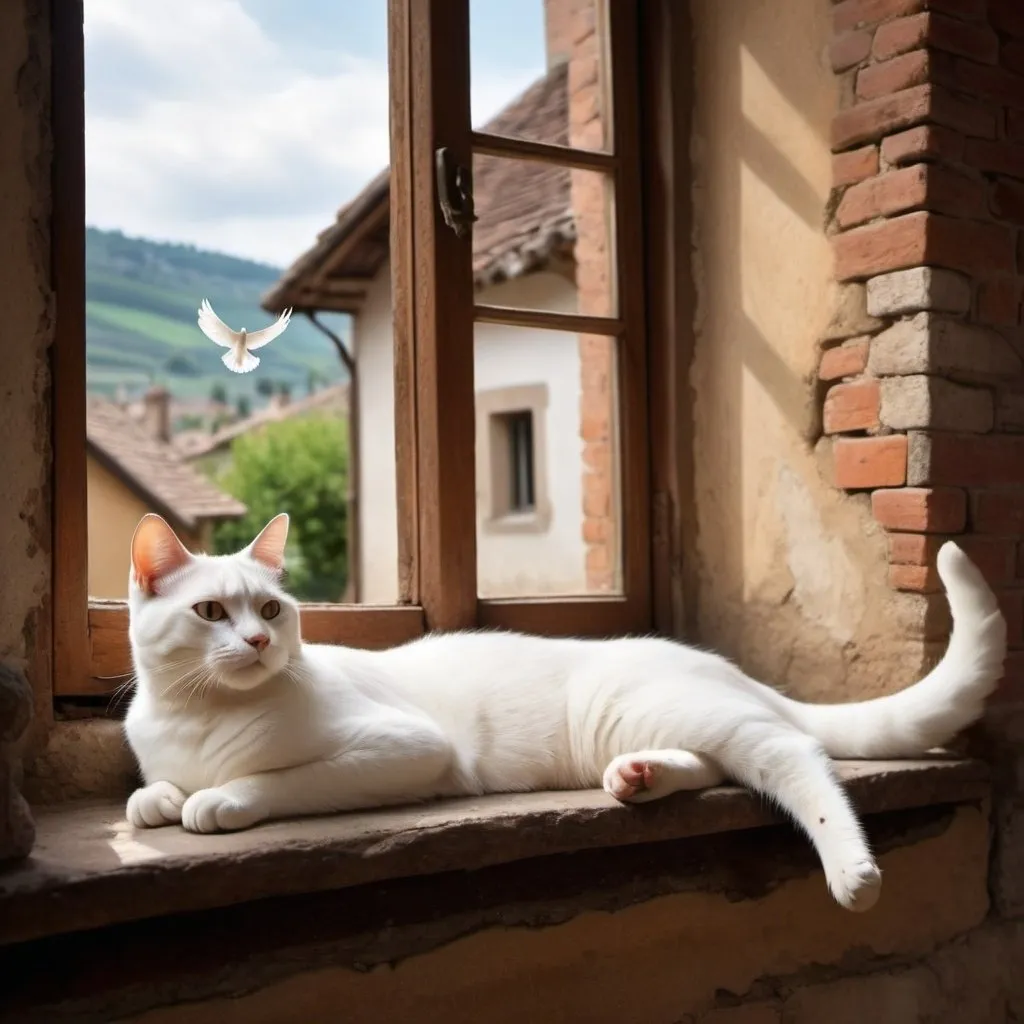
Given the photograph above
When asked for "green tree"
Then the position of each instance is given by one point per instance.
(243, 407)
(219, 394)
(298, 466)
(265, 387)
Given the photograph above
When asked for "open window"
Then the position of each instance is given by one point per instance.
(496, 411)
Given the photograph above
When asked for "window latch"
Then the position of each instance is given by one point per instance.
(454, 192)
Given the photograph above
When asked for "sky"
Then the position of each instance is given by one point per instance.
(243, 125)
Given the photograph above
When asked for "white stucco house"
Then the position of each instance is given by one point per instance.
(533, 497)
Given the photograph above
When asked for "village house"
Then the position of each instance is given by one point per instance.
(133, 468)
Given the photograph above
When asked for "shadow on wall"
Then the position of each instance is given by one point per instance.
(788, 584)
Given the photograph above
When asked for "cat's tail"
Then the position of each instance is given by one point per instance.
(931, 712)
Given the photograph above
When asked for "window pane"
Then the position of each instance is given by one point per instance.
(547, 463)
(539, 71)
(544, 238)
(223, 179)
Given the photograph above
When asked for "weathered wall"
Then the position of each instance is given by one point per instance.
(792, 578)
(27, 301)
(732, 930)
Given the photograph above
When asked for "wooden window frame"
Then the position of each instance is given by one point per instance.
(434, 317)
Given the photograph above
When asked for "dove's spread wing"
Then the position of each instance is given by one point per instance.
(214, 328)
(260, 338)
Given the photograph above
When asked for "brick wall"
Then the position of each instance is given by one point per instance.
(575, 31)
(922, 372)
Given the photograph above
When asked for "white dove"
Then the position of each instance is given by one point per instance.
(241, 343)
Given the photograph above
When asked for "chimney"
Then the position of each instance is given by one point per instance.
(559, 24)
(157, 413)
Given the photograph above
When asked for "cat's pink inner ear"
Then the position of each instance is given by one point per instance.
(156, 552)
(268, 547)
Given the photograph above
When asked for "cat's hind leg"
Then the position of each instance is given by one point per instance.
(652, 774)
(792, 769)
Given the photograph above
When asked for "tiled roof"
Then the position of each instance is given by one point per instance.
(193, 444)
(153, 468)
(524, 209)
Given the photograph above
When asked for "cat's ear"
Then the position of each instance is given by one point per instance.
(268, 547)
(156, 552)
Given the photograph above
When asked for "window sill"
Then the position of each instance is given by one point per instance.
(89, 869)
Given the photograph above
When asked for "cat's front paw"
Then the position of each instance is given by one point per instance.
(155, 805)
(216, 810)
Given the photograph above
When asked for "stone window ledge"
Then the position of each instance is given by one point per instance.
(89, 869)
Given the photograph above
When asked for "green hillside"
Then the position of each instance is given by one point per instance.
(141, 302)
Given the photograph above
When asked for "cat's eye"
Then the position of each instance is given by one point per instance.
(212, 611)
(271, 610)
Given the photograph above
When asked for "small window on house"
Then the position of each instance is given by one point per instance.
(517, 428)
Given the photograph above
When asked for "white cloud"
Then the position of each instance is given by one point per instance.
(202, 128)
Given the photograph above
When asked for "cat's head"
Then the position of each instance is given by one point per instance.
(202, 621)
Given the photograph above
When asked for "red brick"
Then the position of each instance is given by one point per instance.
(893, 192)
(853, 13)
(921, 509)
(1007, 16)
(891, 76)
(923, 238)
(995, 84)
(1008, 201)
(912, 548)
(922, 579)
(865, 462)
(856, 165)
(975, 248)
(992, 555)
(890, 245)
(973, 461)
(934, 188)
(999, 302)
(868, 122)
(935, 31)
(844, 360)
(856, 13)
(900, 35)
(849, 49)
(995, 157)
(872, 119)
(852, 406)
(999, 512)
(926, 142)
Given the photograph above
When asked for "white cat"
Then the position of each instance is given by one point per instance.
(235, 720)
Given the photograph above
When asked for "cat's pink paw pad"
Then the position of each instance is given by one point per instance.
(626, 778)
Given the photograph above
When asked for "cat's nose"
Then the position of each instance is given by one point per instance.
(259, 641)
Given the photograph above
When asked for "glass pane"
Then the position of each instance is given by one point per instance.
(547, 463)
(544, 238)
(539, 71)
(222, 179)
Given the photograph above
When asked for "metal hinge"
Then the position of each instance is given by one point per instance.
(454, 192)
